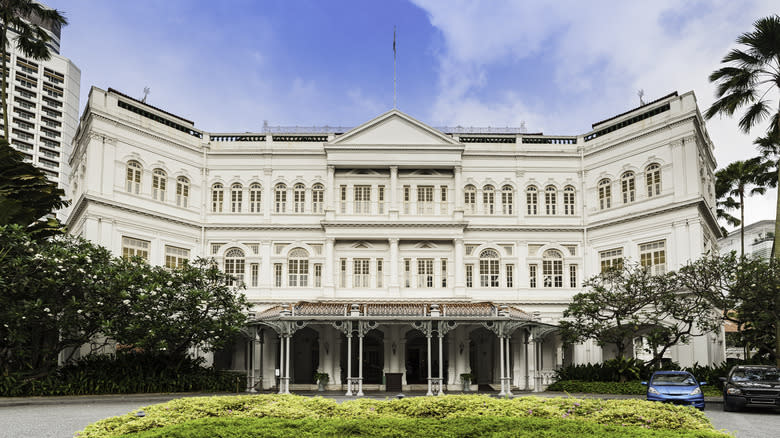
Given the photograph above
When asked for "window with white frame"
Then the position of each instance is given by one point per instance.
(298, 268)
(234, 266)
(470, 199)
(280, 193)
(510, 275)
(343, 272)
(236, 197)
(611, 258)
(551, 200)
(380, 201)
(443, 272)
(605, 194)
(362, 196)
(182, 191)
(469, 275)
(531, 275)
(133, 178)
(299, 198)
(255, 198)
(132, 247)
(652, 256)
(380, 273)
(317, 198)
(159, 182)
(552, 268)
(278, 274)
(424, 273)
(507, 200)
(653, 180)
(407, 272)
(443, 208)
(407, 199)
(572, 276)
(217, 197)
(254, 274)
(175, 257)
(628, 187)
(361, 273)
(425, 200)
(568, 200)
(532, 200)
(488, 199)
(488, 268)
(343, 199)
(318, 275)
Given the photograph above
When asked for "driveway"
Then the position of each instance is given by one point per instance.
(750, 423)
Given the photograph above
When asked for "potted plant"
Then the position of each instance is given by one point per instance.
(322, 380)
(466, 379)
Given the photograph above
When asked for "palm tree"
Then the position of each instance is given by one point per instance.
(723, 203)
(734, 180)
(30, 38)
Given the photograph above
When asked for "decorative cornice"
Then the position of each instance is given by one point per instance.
(88, 199)
(607, 146)
(610, 222)
(369, 224)
(144, 133)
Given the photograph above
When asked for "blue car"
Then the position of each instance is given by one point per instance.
(678, 387)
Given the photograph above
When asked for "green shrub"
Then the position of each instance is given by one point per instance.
(636, 413)
(124, 373)
(628, 388)
(406, 427)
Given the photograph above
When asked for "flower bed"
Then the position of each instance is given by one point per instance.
(613, 413)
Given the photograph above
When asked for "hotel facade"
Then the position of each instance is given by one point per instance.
(394, 255)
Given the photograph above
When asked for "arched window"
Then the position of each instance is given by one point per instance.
(159, 181)
(317, 198)
(488, 268)
(182, 191)
(236, 197)
(470, 199)
(568, 200)
(255, 198)
(280, 192)
(298, 268)
(551, 200)
(552, 268)
(217, 197)
(234, 265)
(488, 199)
(299, 197)
(133, 183)
(605, 194)
(653, 177)
(532, 200)
(628, 187)
(507, 199)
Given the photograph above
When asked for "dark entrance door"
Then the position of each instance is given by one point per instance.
(482, 343)
(305, 355)
(373, 357)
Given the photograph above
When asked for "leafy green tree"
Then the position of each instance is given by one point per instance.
(31, 39)
(174, 310)
(27, 197)
(740, 179)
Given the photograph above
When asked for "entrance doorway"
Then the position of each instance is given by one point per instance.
(482, 344)
(373, 357)
(305, 355)
(417, 358)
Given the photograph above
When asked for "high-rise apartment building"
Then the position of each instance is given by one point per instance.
(43, 104)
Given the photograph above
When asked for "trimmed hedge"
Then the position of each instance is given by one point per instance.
(407, 427)
(628, 388)
(124, 373)
(637, 413)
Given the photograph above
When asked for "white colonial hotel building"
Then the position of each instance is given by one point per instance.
(419, 253)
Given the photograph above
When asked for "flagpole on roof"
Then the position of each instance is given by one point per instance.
(394, 76)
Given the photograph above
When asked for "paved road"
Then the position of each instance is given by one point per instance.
(750, 423)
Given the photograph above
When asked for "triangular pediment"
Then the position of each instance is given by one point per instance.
(393, 128)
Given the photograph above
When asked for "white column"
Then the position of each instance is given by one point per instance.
(349, 360)
(508, 369)
(287, 366)
(441, 363)
(281, 364)
(428, 336)
(525, 361)
(460, 268)
(393, 210)
(360, 365)
(330, 188)
(250, 384)
(501, 358)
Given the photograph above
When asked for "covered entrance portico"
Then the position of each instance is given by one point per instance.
(363, 346)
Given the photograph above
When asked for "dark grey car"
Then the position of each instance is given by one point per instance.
(751, 385)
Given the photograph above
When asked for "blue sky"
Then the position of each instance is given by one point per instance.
(557, 66)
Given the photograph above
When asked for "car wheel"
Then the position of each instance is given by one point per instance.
(729, 405)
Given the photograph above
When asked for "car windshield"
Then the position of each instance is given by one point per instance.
(756, 374)
(673, 379)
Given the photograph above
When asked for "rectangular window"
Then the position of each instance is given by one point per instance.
(611, 258)
(443, 207)
(469, 275)
(407, 199)
(443, 272)
(318, 275)
(425, 200)
(360, 273)
(572, 276)
(380, 273)
(532, 200)
(297, 273)
(531, 275)
(488, 273)
(470, 200)
(407, 272)
(215, 248)
(424, 273)
(343, 199)
(132, 247)
(380, 194)
(653, 256)
(278, 274)
(254, 274)
(175, 257)
(510, 275)
(236, 196)
(362, 197)
(342, 272)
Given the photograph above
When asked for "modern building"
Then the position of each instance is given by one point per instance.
(394, 254)
(43, 100)
(759, 237)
